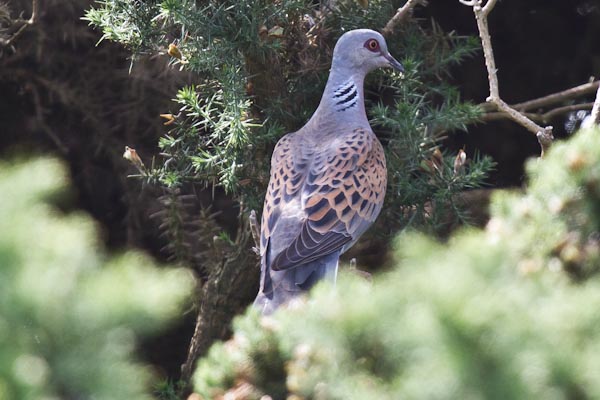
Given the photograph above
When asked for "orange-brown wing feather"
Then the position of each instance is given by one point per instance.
(288, 170)
(342, 195)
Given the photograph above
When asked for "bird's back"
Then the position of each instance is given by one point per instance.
(322, 195)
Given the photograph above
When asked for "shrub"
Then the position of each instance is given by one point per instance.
(69, 313)
(509, 312)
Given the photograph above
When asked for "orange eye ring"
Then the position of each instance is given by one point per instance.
(372, 45)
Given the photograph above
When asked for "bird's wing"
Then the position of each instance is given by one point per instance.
(289, 164)
(342, 194)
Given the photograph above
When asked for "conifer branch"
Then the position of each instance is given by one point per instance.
(544, 134)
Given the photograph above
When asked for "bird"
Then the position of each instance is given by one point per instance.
(327, 180)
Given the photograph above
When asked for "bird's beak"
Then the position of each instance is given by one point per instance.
(393, 62)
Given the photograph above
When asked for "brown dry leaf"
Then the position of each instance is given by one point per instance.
(174, 51)
(263, 31)
(435, 163)
(132, 156)
(438, 160)
(250, 88)
(170, 118)
(276, 32)
(459, 162)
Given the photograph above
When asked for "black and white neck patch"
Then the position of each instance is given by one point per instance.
(345, 96)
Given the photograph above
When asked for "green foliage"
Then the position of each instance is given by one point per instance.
(70, 314)
(560, 215)
(169, 390)
(489, 315)
(262, 67)
(130, 22)
(221, 41)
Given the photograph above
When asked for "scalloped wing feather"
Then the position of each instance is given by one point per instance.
(321, 200)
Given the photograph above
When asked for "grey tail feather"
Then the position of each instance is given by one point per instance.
(282, 286)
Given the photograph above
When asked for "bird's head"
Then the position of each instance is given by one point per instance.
(364, 49)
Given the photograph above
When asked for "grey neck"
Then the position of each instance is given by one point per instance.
(343, 100)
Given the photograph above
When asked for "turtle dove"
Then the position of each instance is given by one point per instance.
(328, 179)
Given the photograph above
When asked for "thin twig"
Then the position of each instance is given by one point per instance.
(546, 101)
(558, 97)
(541, 117)
(25, 24)
(547, 116)
(595, 116)
(401, 14)
(39, 116)
(255, 229)
(488, 7)
(544, 134)
(545, 139)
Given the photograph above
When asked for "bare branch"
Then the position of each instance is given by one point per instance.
(541, 117)
(25, 24)
(545, 140)
(39, 116)
(255, 229)
(548, 100)
(481, 14)
(547, 116)
(402, 13)
(233, 278)
(488, 7)
(595, 117)
(571, 93)
(488, 53)
(519, 117)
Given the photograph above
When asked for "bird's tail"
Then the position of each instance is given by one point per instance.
(279, 287)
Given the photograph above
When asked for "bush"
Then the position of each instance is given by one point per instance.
(491, 314)
(258, 69)
(69, 313)
(261, 67)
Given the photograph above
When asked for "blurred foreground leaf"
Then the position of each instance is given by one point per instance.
(70, 314)
(511, 312)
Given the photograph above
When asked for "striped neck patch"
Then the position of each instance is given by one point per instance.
(345, 96)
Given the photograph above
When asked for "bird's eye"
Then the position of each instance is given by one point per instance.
(372, 45)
